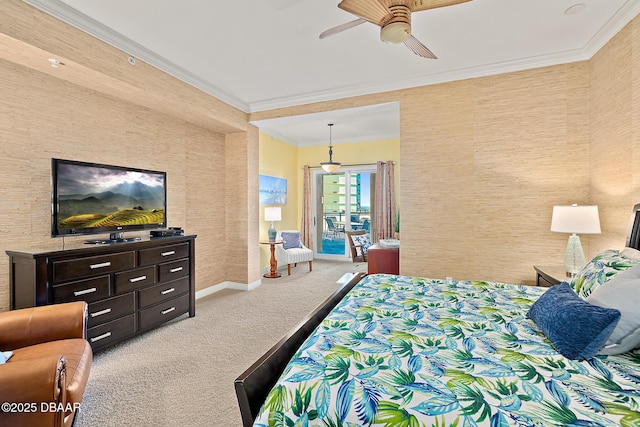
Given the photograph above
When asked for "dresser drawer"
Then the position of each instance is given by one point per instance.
(88, 290)
(91, 266)
(111, 308)
(111, 332)
(127, 281)
(162, 292)
(160, 313)
(163, 253)
(173, 270)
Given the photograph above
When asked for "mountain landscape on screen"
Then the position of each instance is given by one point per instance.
(106, 197)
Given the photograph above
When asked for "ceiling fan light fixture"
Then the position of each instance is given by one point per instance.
(395, 32)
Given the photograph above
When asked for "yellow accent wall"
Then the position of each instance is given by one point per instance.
(279, 159)
(283, 160)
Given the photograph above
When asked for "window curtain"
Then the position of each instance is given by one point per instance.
(385, 201)
(306, 228)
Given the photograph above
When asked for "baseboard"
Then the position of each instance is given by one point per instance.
(227, 285)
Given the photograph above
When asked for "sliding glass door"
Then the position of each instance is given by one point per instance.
(343, 201)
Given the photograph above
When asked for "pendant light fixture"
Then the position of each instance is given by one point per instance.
(330, 166)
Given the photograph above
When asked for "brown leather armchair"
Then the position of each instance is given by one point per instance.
(43, 382)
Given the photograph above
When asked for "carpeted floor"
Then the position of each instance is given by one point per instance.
(182, 373)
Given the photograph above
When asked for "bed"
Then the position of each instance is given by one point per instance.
(388, 350)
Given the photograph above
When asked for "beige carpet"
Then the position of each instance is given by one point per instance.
(182, 373)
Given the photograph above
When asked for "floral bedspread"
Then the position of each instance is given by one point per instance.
(406, 351)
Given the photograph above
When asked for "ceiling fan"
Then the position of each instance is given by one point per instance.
(393, 17)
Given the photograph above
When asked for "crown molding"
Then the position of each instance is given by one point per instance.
(67, 14)
(623, 16)
(423, 80)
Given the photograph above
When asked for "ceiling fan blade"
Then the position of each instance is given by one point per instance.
(418, 48)
(342, 27)
(371, 10)
(419, 5)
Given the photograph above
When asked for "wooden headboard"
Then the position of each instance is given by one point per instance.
(633, 235)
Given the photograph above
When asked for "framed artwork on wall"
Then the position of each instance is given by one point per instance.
(273, 190)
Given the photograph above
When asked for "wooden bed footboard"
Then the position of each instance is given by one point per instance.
(253, 385)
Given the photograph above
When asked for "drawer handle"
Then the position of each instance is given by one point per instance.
(168, 253)
(84, 292)
(168, 291)
(137, 279)
(101, 312)
(100, 265)
(168, 310)
(101, 337)
(175, 270)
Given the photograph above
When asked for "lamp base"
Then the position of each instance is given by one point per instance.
(574, 257)
(272, 233)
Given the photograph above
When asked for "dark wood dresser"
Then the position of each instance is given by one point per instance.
(130, 287)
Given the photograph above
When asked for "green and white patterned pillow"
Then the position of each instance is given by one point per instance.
(601, 268)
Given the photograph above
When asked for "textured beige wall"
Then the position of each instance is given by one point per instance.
(495, 155)
(615, 134)
(85, 125)
(97, 109)
(242, 243)
(482, 163)
(484, 160)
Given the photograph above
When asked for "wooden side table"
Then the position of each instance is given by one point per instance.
(383, 260)
(548, 276)
(273, 273)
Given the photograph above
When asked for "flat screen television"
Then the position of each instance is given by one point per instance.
(93, 198)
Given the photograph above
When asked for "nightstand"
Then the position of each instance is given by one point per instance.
(383, 260)
(548, 276)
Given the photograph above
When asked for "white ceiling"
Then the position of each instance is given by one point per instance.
(263, 54)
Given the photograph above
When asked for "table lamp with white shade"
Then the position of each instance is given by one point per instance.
(272, 214)
(575, 220)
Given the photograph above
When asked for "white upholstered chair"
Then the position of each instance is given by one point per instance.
(292, 251)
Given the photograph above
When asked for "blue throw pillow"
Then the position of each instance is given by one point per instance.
(291, 239)
(577, 329)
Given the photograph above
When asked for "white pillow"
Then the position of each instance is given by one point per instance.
(631, 253)
(4, 356)
(622, 292)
